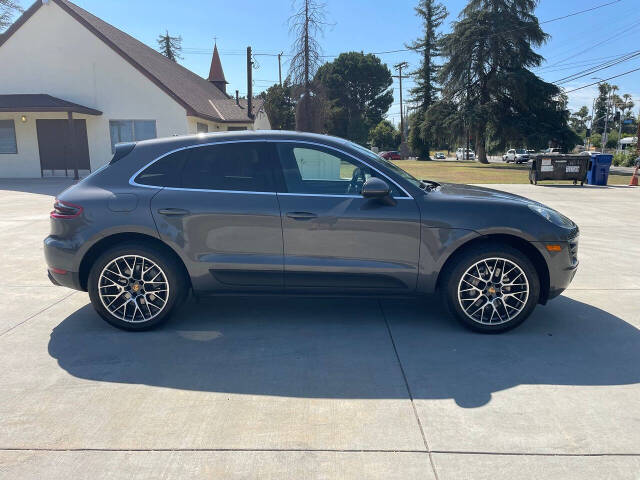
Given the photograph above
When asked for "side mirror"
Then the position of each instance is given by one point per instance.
(375, 188)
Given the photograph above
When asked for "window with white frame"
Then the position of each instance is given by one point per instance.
(131, 131)
(8, 137)
(202, 127)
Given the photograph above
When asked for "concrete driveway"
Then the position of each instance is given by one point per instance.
(324, 388)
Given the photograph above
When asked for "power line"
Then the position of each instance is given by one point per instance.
(604, 80)
(597, 68)
(193, 50)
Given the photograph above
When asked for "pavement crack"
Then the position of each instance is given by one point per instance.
(406, 383)
(37, 313)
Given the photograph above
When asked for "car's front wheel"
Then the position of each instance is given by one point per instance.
(136, 287)
(491, 288)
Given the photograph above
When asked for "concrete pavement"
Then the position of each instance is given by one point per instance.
(324, 388)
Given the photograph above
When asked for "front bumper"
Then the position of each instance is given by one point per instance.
(562, 266)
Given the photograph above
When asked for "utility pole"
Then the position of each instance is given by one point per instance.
(593, 109)
(280, 68)
(249, 83)
(606, 124)
(399, 67)
(638, 136)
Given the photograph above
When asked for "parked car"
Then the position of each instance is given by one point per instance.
(461, 155)
(587, 152)
(552, 151)
(393, 155)
(272, 212)
(440, 156)
(516, 155)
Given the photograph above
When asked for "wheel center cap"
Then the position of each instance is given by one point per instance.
(135, 287)
(491, 290)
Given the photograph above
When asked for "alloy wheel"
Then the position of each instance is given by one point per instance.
(493, 291)
(133, 288)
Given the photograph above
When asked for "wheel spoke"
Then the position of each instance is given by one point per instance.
(125, 293)
(501, 284)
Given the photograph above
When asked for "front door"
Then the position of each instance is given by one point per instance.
(336, 240)
(220, 209)
(57, 152)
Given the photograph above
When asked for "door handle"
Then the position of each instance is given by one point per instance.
(173, 211)
(301, 215)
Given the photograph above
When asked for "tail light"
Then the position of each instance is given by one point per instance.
(65, 210)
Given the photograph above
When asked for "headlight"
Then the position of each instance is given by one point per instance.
(550, 214)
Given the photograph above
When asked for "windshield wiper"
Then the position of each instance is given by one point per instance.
(428, 185)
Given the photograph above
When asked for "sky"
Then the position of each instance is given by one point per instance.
(576, 43)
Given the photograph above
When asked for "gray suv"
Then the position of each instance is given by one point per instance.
(298, 213)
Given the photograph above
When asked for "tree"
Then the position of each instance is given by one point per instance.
(8, 9)
(357, 89)
(602, 106)
(306, 24)
(489, 54)
(578, 120)
(279, 106)
(170, 46)
(425, 91)
(385, 136)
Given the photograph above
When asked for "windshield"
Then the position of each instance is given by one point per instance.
(377, 159)
(521, 151)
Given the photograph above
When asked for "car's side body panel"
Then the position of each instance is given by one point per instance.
(350, 243)
(229, 240)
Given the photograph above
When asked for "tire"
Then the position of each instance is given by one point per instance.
(154, 306)
(456, 276)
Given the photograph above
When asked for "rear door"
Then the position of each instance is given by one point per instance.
(336, 240)
(219, 208)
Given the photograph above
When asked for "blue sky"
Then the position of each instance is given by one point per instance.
(370, 26)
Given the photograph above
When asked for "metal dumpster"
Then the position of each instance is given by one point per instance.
(558, 167)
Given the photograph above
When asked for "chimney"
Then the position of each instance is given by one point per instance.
(237, 98)
(249, 84)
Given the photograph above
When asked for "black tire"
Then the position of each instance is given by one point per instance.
(172, 269)
(455, 270)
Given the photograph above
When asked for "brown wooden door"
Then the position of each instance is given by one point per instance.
(54, 144)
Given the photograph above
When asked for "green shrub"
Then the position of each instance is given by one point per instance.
(623, 159)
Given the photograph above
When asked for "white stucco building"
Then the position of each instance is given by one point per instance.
(58, 62)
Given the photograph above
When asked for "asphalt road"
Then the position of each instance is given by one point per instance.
(324, 388)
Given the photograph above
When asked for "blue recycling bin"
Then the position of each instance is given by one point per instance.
(598, 173)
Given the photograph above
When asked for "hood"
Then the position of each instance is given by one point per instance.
(474, 192)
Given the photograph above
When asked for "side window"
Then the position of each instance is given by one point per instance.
(131, 130)
(8, 137)
(243, 166)
(314, 170)
(164, 172)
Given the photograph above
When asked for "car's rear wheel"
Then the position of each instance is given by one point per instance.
(491, 288)
(136, 287)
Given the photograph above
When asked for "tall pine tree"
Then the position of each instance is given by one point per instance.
(425, 91)
(489, 54)
(170, 46)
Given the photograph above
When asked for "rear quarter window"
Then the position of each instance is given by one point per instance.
(164, 172)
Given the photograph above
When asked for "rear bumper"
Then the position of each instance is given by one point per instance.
(60, 257)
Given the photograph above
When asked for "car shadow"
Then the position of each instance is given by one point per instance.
(43, 186)
(341, 348)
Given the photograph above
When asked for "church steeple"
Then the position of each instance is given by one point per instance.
(216, 75)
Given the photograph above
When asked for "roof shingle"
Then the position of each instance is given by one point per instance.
(199, 97)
